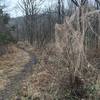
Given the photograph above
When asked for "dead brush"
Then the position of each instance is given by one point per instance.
(71, 45)
(8, 49)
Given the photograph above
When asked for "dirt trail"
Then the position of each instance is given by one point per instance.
(15, 81)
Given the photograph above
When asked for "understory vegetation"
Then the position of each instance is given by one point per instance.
(51, 52)
(5, 38)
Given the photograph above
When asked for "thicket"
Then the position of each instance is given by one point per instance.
(5, 38)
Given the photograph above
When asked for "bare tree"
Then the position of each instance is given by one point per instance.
(97, 22)
(30, 8)
(61, 12)
(80, 6)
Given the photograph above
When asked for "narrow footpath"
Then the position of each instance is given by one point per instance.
(15, 81)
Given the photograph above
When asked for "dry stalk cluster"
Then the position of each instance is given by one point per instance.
(70, 42)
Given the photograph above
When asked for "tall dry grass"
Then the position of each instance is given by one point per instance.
(63, 73)
(70, 42)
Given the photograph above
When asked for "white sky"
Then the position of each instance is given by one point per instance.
(14, 11)
(13, 8)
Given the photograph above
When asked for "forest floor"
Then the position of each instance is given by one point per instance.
(30, 74)
(11, 65)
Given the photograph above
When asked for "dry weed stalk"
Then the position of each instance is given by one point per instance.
(71, 45)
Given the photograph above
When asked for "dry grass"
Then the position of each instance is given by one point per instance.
(70, 42)
(63, 74)
(11, 64)
(53, 74)
(25, 46)
(50, 79)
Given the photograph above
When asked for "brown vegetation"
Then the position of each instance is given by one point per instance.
(73, 76)
(64, 65)
(11, 63)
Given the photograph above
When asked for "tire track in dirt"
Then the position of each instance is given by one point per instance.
(15, 81)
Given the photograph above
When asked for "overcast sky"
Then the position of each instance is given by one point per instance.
(13, 8)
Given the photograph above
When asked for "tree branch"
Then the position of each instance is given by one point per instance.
(83, 2)
(75, 2)
(98, 1)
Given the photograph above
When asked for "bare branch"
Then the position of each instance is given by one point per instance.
(83, 2)
(75, 2)
(98, 1)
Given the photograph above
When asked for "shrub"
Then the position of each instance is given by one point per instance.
(5, 38)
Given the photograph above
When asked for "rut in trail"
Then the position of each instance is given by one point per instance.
(15, 81)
